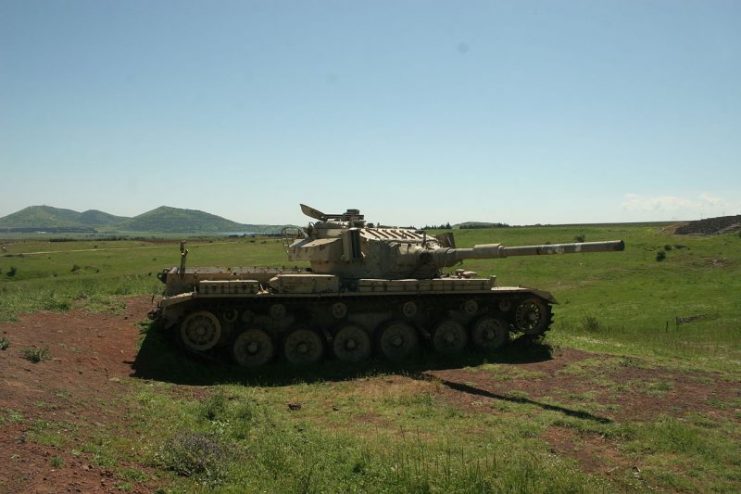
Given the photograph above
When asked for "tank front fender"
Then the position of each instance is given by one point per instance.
(170, 309)
(545, 295)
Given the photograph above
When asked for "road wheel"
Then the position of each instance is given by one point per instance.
(303, 347)
(253, 348)
(489, 333)
(398, 340)
(200, 331)
(352, 344)
(532, 316)
(450, 337)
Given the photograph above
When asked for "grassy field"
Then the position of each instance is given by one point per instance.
(639, 333)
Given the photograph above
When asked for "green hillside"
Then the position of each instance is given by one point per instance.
(165, 219)
(41, 217)
(93, 217)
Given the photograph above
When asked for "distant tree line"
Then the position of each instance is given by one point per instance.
(466, 226)
(446, 226)
(473, 226)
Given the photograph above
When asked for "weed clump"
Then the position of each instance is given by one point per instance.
(660, 255)
(192, 454)
(36, 354)
(580, 239)
(4, 343)
(214, 408)
(11, 272)
(667, 247)
(591, 324)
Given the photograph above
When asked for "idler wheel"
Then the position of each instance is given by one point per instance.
(532, 316)
(489, 333)
(253, 348)
(303, 347)
(398, 340)
(352, 344)
(450, 337)
(200, 331)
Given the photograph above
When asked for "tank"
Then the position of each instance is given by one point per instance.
(369, 290)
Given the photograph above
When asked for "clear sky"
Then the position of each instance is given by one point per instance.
(413, 111)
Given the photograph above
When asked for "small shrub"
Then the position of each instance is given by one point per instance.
(580, 238)
(4, 343)
(214, 408)
(11, 272)
(75, 268)
(194, 454)
(591, 323)
(36, 354)
(667, 247)
(660, 255)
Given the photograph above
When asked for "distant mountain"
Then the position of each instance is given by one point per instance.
(173, 220)
(47, 217)
(93, 217)
(161, 220)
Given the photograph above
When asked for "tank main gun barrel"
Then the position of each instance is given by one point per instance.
(450, 257)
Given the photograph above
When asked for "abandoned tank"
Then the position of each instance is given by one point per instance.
(369, 290)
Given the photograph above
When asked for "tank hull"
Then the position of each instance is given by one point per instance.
(252, 323)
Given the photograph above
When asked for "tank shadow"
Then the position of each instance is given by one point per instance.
(473, 390)
(159, 359)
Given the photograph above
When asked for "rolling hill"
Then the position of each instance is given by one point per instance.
(48, 217)
(162, 220)
(165, 219)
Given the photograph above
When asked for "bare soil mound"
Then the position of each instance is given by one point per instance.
(53, 409)
(710, 226)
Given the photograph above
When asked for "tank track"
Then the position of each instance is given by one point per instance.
(253, 331)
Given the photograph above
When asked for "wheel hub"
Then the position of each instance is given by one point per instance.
(351, 344)
(397, 341)
(302, 348)
(253, 348)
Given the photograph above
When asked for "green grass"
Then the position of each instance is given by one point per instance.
(378, 429)
(59, 276)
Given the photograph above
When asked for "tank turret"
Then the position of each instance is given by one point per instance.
(342, 245)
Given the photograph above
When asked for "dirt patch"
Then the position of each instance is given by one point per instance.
(594, 453)
(53, 408)
(606, 389)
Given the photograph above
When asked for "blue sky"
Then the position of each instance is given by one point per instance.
(413, 111)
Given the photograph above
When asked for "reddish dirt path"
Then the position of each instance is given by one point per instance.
(51, 409)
